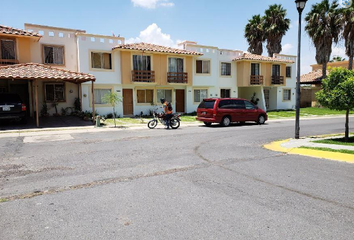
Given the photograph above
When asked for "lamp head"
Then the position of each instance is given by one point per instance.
(300, 5)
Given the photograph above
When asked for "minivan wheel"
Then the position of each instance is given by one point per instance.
(261, 119)
(225, 121)
(208, 124)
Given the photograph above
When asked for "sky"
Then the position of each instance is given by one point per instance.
(165, 22)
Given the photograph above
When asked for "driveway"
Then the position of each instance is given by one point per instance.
(190, 183)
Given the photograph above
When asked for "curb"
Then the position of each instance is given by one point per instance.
(334, 156)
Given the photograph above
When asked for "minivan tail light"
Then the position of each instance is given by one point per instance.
(23, 107)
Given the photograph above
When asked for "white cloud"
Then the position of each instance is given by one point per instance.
(339, 51)
(286, 48)
(152, 4)
(153, 34)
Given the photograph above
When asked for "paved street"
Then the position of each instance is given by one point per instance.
(191, 183)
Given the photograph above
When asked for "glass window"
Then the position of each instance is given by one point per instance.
(288, 72)
(225, 69)
(7, 49)
(99, 94)
(207, 104)
(145, 95)
(101, 60)
(142, 63)
(239, 104)
(255, 69)
(200, 94)
(286, 94)
(54, 92)
(203, 66)
(175, 65)
(227, 104)
(276, 70)
(249, 105)
(54, 55)
(225, 93)
(166, 94)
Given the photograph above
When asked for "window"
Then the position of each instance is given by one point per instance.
(99, 94)
(227, 104)
(166, 94)
(239, 104)
(224, 93)
(7, 49)
(175, 65)
(249, 105)
(276, 70)
(54, 92)
(141, 63)
(286, 94)
(200, 94)
(203, 66)
(288, 72)
(54, 55)
(255, 69)
(225, 69)
(145, 95)
(101, 60)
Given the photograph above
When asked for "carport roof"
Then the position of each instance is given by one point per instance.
(39, 71)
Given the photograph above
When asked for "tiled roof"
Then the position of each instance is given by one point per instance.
(16, 31)
(249, 56)
(312, 77)
(41, 71)
(155, 48)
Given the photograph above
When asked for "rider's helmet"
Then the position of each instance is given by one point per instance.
(162, 100)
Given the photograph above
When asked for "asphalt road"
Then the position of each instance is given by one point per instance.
(190, 183)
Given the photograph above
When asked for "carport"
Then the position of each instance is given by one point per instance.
(35, 72)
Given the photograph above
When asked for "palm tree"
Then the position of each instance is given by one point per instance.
(255, 35)
(275, 26)
(324, 26)
(348, 33)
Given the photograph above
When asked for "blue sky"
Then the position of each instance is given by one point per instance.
(214, 23)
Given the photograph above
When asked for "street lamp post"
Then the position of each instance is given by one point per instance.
(300, 5)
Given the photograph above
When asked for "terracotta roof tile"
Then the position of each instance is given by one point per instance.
(249, 56)
(155, 48)
(16, 31)
(312, 77)
(41, 71)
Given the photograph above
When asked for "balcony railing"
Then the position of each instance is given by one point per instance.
(143, 76)
(278, 80)
(256, 80)
(4, 62)
(177, 77)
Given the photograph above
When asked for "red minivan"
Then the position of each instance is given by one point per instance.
(228, 110)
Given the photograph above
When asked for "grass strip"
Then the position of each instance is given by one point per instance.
(330, 150)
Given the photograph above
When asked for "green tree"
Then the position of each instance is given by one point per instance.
(338, 93)
(254, 34)
(113, 99)
(275, 26)
(324, 24)
(348, 33)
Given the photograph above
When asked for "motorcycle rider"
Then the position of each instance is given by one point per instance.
(168, 113)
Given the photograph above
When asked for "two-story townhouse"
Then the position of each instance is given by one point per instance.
(150, 72)
(270, 79)
(214, 73)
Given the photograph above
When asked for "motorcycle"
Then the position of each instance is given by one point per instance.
(160, 117)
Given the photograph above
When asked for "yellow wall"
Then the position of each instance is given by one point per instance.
(189, 70)
(24, 50)
(343, 64)
(126, 67)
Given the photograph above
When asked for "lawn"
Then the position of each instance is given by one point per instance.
(144, 120)
(330, 150)
(337, 141)
(305, 112)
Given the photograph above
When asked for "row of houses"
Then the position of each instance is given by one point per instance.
(61, 65)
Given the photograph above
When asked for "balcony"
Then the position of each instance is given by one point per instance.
(177, 77)
(278, 80)
(256, 80)
(143, 76)
(4, 62)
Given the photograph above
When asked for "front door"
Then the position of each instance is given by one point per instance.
(180, 100)
(127, 102)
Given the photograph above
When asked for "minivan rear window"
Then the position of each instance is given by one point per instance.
(207, 104)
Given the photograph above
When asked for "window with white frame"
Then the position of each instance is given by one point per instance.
(225, 69)
(145, 95)
(203, 66)
(7, 49)
(200, 94)
(288, 72)
(164, 93)
(101, 60)
(53, 55)
(286, 94)
(99, 95)
(141, 62)
(54, 92)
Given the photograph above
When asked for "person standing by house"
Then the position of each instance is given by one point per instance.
(168, 111)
